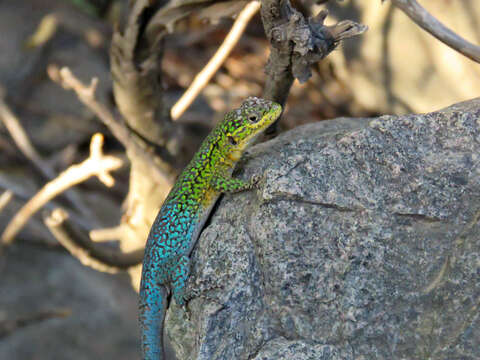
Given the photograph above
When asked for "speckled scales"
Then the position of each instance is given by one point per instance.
(184, 212)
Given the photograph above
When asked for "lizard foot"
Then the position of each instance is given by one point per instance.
(201, 289)
(199, 292)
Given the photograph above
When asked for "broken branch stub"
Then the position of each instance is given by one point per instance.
(296, 44)
(307, 40)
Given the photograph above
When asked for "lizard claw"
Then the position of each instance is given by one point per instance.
(199, 293)
(255, 180)
(187, 311)
(201, 290)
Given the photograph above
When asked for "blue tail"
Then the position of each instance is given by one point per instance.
(153, 306)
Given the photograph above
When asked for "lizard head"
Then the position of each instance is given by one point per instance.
(241, 126)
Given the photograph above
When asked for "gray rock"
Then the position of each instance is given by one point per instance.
(362, 242)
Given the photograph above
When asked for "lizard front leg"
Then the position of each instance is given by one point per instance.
(227, 184)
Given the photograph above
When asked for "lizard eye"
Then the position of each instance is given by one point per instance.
(232, 140)
(253, 118)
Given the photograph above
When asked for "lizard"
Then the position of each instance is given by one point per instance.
(183, 214)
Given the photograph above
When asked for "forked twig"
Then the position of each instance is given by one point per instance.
(430, 24)
(204, 76)
(97, 164)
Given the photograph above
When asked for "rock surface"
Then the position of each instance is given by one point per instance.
(362, 242)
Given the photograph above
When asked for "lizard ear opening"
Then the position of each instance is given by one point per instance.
(253, 118)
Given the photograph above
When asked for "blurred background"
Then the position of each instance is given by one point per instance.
(54, 307)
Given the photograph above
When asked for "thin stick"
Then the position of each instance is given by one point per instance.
(109, 234)
(5, 198)
(97, 164)
(21, 139)
(24, 194)
(80, 247)
(7, 327)
(296, 44)
(204, 76)
(430, 24)
(162, 172)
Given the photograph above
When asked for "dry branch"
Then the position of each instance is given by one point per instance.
(430, 24)
(5, 198)
(7, 327)
(22, 193)
(135, 65)
(204, 76)
(162, 172)
(109, 234)
(21, 139)
(97, 164)
(84, 250)
(296, 44)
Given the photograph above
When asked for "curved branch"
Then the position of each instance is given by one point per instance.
(86, 251)
(21, 139)
(9, 326)
(163, 172)
(135, 65)
(430, 24)
(5, 198)
(97, 164)
(297, 43)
